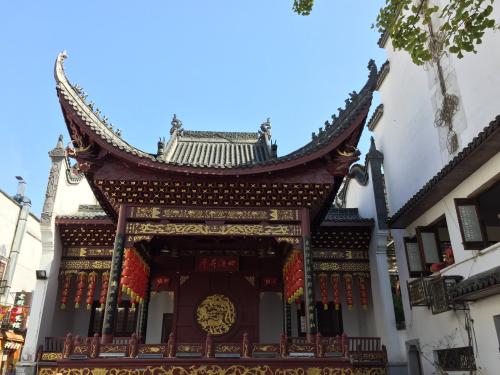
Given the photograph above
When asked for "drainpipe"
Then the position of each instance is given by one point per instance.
(22, 220)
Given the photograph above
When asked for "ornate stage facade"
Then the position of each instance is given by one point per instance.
(214, 255)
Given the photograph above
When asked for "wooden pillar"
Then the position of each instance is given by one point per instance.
(114, 279)
(311, 326)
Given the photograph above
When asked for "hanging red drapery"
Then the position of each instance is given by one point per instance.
(293, 276)
(91, 286)
(104, 288)
(66, 287)
(323, 288)
(363, 292)
(335, 278)
(80, 285)
(348, 290)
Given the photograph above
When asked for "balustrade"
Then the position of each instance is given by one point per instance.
(356, 349)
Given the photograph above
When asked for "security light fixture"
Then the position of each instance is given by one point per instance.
(41, 275)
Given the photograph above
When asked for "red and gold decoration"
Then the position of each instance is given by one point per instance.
(216, 314)
(335, 278)
(135, 275)
(293, 275)
(66, 287)
(363, 292)
(323, 288)
(348, 290)
(4, 310)
(269, 282)
(161, 283)
(80, 285)
(104, 288)
(91, 286)
(217, 263)
(20, 310)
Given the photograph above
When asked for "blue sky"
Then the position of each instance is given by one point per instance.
(219, 65)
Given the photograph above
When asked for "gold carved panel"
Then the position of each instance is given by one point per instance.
(210, 229)
(216, 314)
(214, 214)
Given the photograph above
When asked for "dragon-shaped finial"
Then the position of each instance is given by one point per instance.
(176, 125)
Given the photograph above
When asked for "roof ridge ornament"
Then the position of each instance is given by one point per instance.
(265, 130)
(176, 126)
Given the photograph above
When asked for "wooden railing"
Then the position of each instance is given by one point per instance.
(56, 343)
(354, 349)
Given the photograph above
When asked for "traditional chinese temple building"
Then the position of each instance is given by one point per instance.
(211, 255)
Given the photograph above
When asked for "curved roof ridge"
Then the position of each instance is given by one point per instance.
(76, 97)
(353, 114)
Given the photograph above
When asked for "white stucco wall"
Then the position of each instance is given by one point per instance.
(45, 303)
(270, 317)
(447, 329)
(159, 304)
(31, 247)
(414, 149)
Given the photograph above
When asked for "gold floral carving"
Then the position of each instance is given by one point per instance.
(216, 370)
(47, 370)
(189, 348)
(113, 349)
(261, 230)
(342, 266)
(214, 214)
(51, 356)
(89, 252)
(340, 254)
(83, 264)
(216, 314)
(251, 280)
(266, 348)
(151, 349)
(227, 348)
(290, 240)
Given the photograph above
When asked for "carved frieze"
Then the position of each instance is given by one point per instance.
(342, 266)
(214, 214)
(259, 230)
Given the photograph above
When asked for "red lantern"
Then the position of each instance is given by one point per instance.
(323, 287)
(92, 284)
(348, 290)
(104, 288)
(335, 278)
(80, 285)
(363, 292)
(66, 286)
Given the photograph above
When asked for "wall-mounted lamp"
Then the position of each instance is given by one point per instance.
(41, 275)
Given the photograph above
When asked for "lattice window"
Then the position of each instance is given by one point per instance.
(456, 359)
(438, 290)
(417, 293)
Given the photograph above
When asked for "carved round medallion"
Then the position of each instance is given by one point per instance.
(216, 314)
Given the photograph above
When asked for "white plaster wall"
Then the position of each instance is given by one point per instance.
(270, 317)
(9, 212)
(414, 149)
(482, 312)
(31, 246)
(447, 329)
(45, 304)
(159, 304)
(70, 196)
